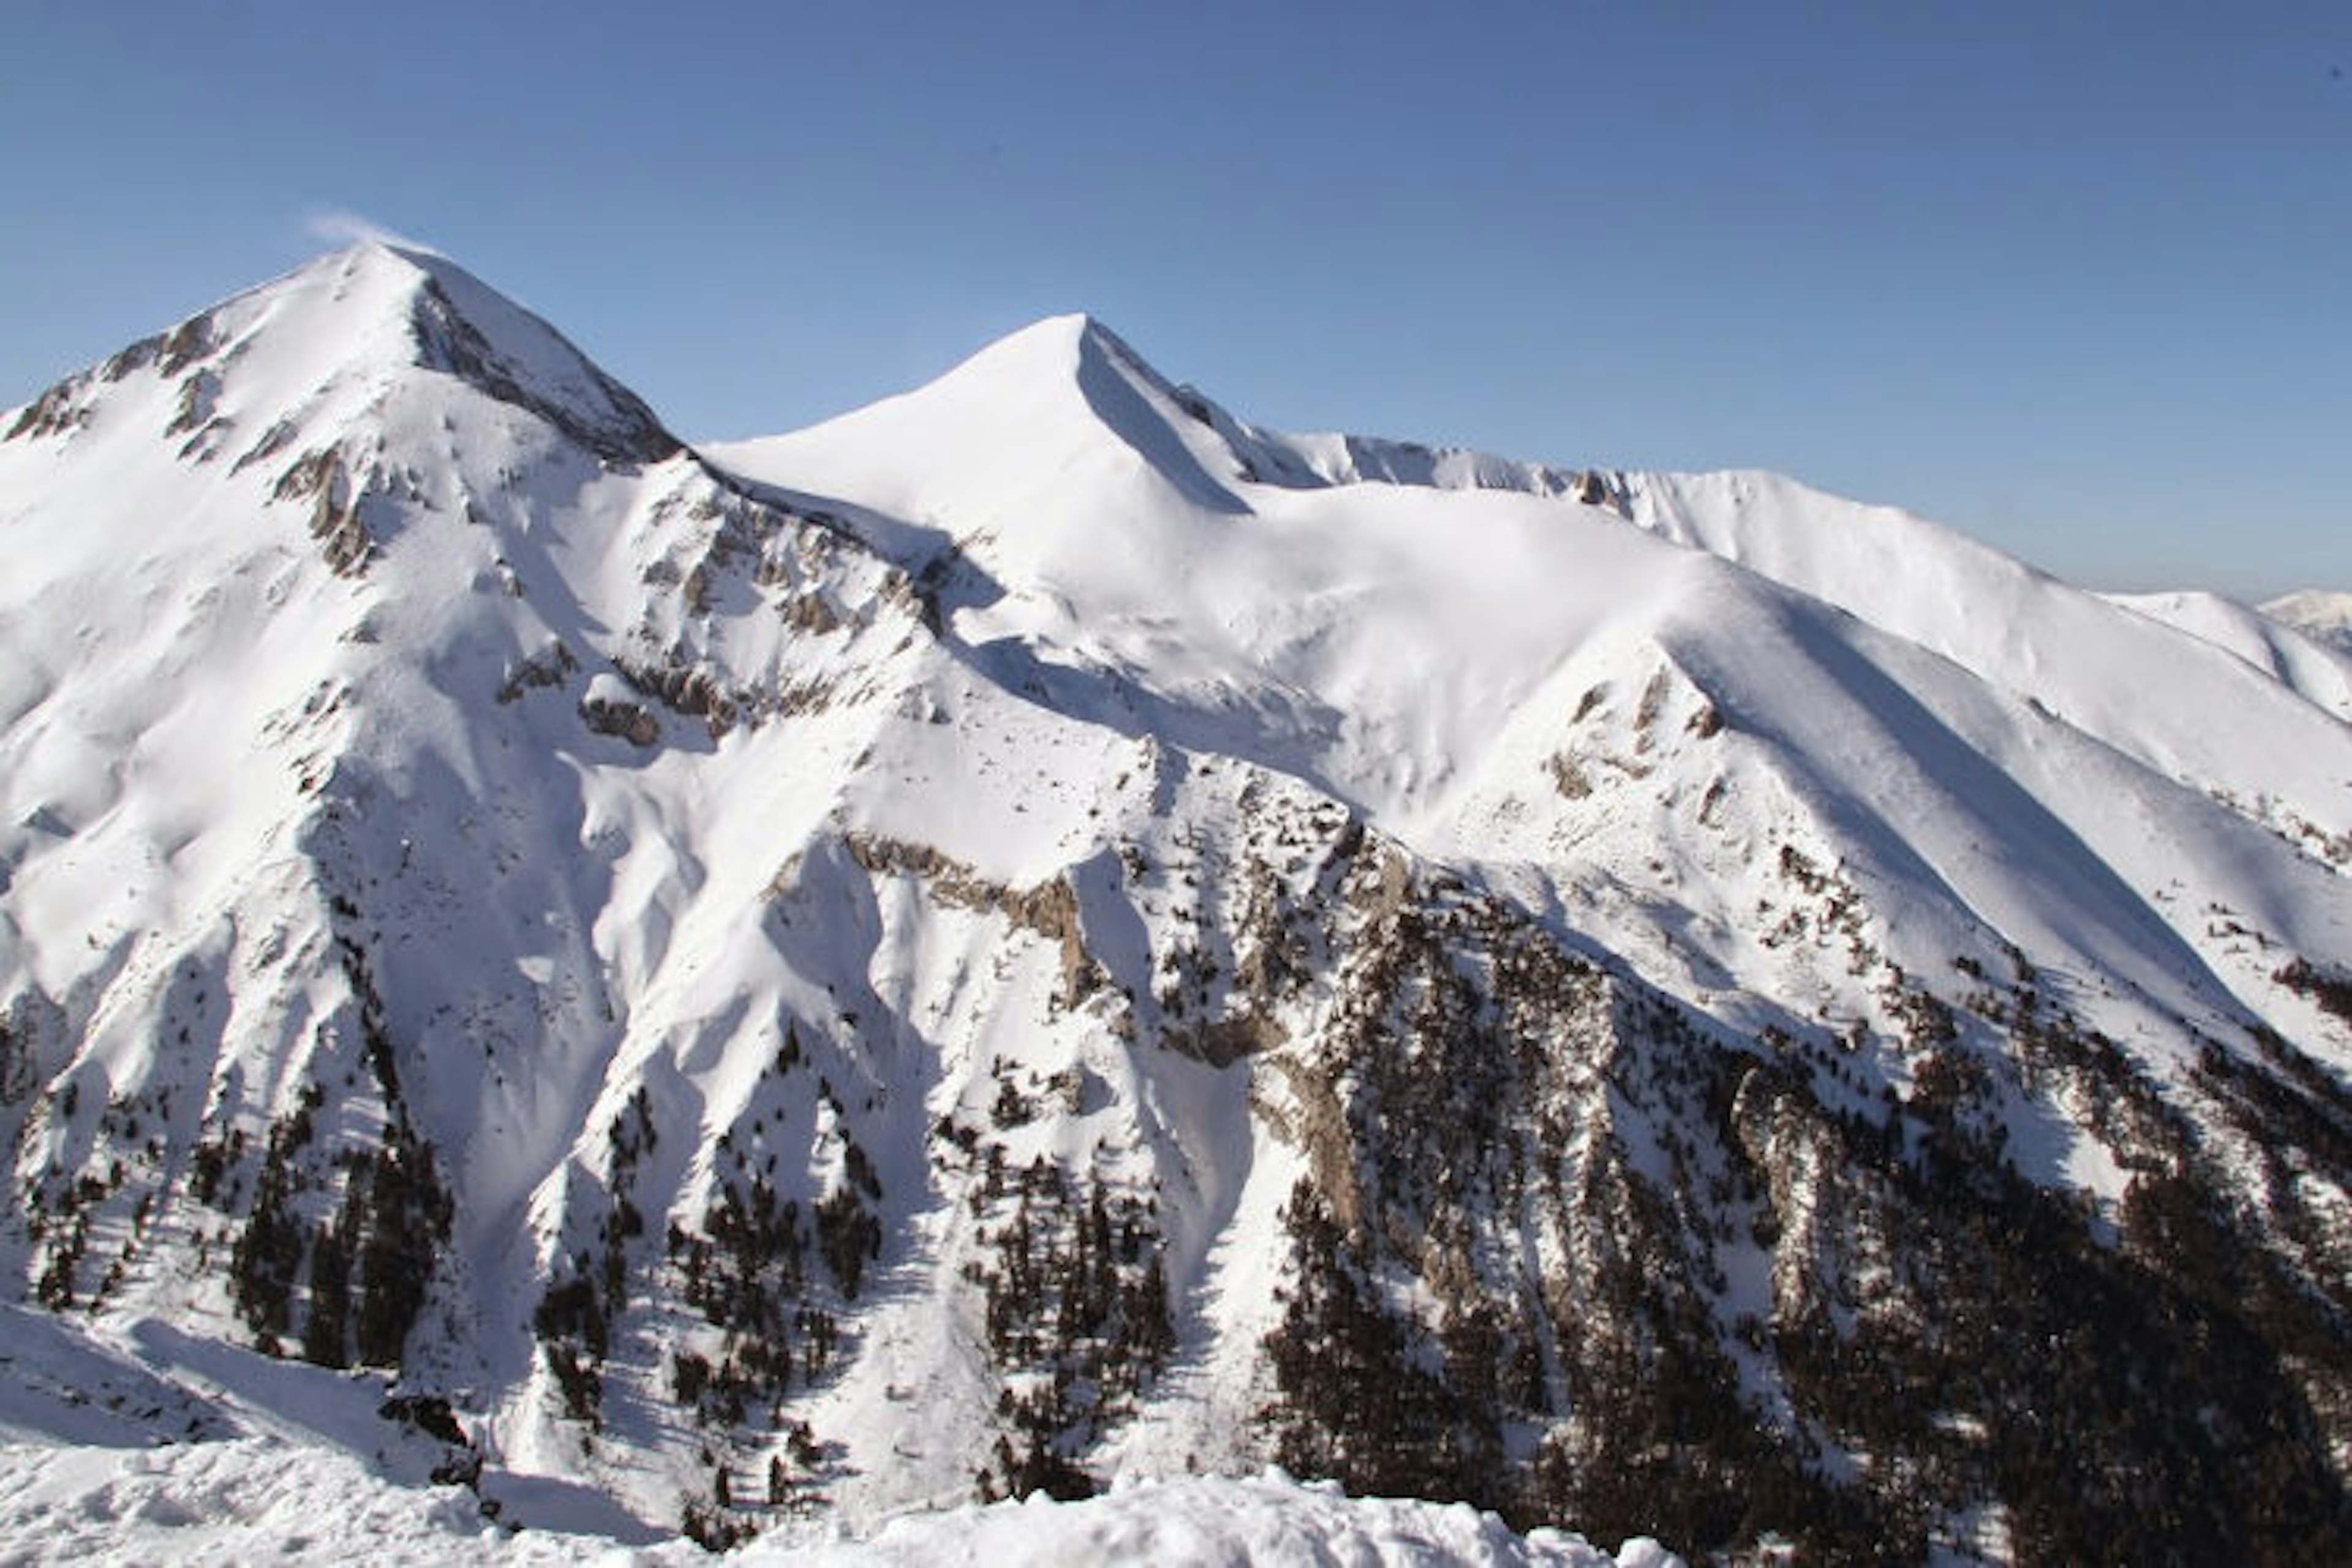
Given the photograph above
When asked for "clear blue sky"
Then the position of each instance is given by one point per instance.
(2075, 277)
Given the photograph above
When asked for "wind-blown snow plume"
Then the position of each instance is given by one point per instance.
(340, 227)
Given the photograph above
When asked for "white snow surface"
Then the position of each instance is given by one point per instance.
(88, 1476)
(143, 1445)
(251, 1500)
(1267, 1519)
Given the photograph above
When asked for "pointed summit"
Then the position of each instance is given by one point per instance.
(1071, 384)
(335, 340)
(437, 316)
(1061, 397)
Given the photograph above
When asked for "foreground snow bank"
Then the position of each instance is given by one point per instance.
(1269, 1519)
(250, 1500)
(243, 1500)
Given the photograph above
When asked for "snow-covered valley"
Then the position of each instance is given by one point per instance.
(1038, 936)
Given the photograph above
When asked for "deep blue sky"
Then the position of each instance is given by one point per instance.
(2076, 279)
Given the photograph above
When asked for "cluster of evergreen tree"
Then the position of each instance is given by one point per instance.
(1360, 1401)
(1077, 1320)
(745, 1269)
(370, 1266)
(348, 1288)
(573, 1320)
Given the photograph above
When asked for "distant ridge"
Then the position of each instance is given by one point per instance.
(2319, 614)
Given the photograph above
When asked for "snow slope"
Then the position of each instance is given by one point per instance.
(242, 1501)
(130, 1454)
(140, 1452)
(2322, 616)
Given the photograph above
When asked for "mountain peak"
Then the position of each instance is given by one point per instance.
(1063, 395)
(1072, 385)
(458, 325)
(362, 318)
(1047, 355)
(1065, 333)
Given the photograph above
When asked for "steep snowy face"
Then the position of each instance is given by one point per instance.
(1112, 534)
(376, 641)
(2129, 680)
(2300, 653)
(1037, 931)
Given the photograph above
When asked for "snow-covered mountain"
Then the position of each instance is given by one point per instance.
(1037, 934)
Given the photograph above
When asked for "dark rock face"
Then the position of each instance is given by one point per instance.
(630, 720)
(624, 431)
